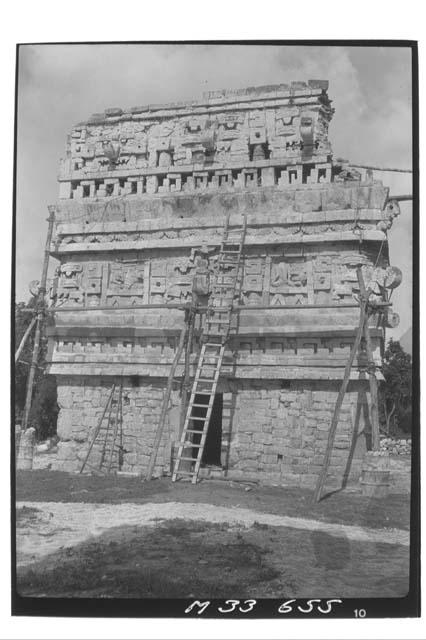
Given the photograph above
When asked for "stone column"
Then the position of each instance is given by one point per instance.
(268, 176)
(151, 184)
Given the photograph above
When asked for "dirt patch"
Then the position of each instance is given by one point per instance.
(344, 507)
(178, 559)
(28, 516)
(65, 524)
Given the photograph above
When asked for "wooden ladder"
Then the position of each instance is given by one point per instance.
(214, 338)
(108, 431)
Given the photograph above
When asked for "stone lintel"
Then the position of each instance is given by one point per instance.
(215, 204)
(102, 332)
(231, 101)
(247, 373)
(167, 243)
(190, 168)
(244, 360)
(201, 224)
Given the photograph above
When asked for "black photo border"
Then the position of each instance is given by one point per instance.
(408, 606)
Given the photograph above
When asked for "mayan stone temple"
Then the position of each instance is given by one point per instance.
(207, 297)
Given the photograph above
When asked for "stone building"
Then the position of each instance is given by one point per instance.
(143, 197)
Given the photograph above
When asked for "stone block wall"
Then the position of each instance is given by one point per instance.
(279, 434)
(275, 434)
(82, 400)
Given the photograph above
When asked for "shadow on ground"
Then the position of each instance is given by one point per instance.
(177, 559)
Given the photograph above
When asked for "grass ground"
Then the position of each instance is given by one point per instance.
(177, 558)
(344, 508)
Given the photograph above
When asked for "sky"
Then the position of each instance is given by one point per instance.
(60, 85)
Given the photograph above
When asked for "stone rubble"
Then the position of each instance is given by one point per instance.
(397, 446)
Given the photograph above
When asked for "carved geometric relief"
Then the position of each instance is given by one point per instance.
(279, 277)
(297, 275)
(253, 281)
(158, 268)
(158, 284)
(322, 281)
(290, 346)
(289, 282)
(139, 139)
(179, 281)
(345, 280)
(287, 135)
(278, 299)
(253, 266)
(374, 279)
(286, 121)
(229, 126)
(134, 279)
(93, 270)
(93, 283)
(257, 118)
(125, 280)
(323, 263)
(258, 136)
(322, 267)
(70, 290)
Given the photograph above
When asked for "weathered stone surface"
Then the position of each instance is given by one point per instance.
(144, 194)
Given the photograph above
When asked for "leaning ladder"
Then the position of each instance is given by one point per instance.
(106, 435)
(215, 336)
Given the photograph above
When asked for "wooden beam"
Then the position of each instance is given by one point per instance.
(164, 408)
(98, 426)
(185, 382)
(114, 438)
(363, 330)
(334, 422)
(182, 307)
(266, 280)
(40, 312)
(24, 339)
(401, 198)
(374, 409)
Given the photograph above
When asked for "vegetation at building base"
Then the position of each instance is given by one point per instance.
(44, 408)
(396, 390)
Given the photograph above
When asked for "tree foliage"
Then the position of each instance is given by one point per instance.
(44, 408)
(22, 321)
(396, 391)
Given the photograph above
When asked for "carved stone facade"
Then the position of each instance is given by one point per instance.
(144, 194)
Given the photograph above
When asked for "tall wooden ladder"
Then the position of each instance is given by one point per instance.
(215, 335)
(106, 447)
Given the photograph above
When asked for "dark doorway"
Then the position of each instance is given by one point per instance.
(213, 444)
